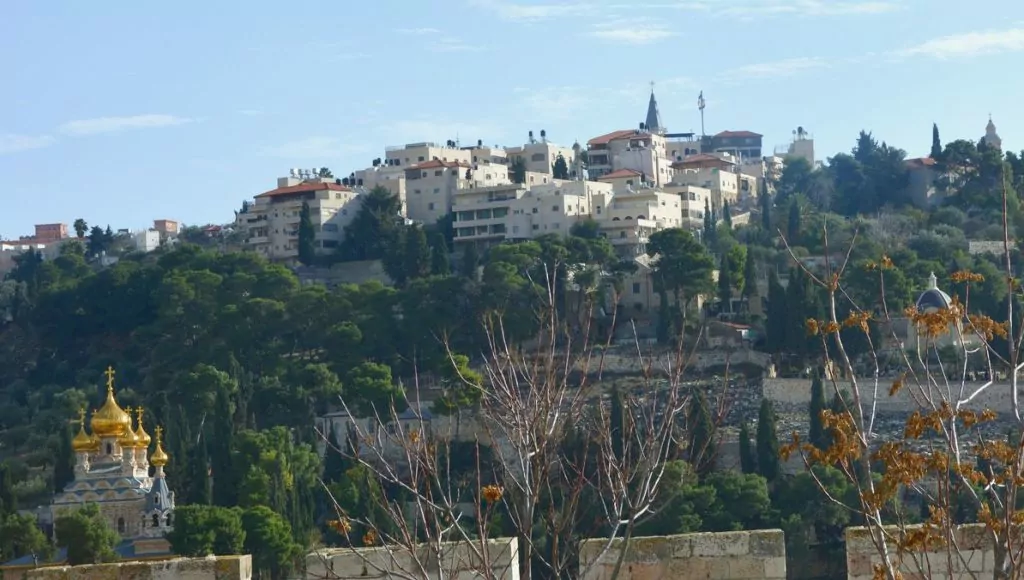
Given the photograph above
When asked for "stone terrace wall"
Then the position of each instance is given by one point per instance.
(997, 397)
(211, 568)
(759, 554)
(460, 561)
(975, 549)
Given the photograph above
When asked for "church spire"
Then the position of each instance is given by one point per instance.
(653, 122)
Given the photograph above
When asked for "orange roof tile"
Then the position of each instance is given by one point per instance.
(304, 188)
(615, 136)
(620, 174)
(921, 162)
(738, 134)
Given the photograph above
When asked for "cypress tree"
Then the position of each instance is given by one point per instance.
(8, 505)
(724, 284)
(765, 201)
(615, 418)
(64, 467)
(702, 436)
(748, 461)
(936, 152)
(199, 476)
(439, 264)
(767, 442)
(225, 479)
(417, 254)
(726, 216)
(307, 236)
(793, 223)
(749, 275)
(334, 459)
(817, 435)
(470, 260)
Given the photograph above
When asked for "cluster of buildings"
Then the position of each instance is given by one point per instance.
(48, 240)
(632, 182)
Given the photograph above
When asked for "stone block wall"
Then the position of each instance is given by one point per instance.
(210, 568)
(975, 557)
(459, 560)
(759, 554)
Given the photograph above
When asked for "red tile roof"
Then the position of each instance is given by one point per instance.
(615, 136)
(738, 134)
(619, 174)
(437, 163)
(921, 162)
(304, 188)
(701, 158)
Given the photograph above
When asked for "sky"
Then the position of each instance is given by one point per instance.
(121, 112)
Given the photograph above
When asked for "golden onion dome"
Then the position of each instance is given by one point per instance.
(128, 440)
(159, 457)
(82, 442)
(140, 433)
(110, 420)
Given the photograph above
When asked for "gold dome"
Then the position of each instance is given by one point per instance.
(82, 442)
(111, 420)
(159, 457)
(128, 440)
(140, 433)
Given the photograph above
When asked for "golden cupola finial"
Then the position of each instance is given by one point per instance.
(82, 442)
(128, 440)
(141, 436)
(110, 420)
(159, 457)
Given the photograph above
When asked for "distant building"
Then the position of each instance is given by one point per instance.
(740, 144)
(167, 228)
(47, 240)
(801, 146)
(991, 138)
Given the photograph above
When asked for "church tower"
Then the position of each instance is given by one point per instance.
(653, 122)
(991, 138)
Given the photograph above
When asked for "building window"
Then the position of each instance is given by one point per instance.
(437, 190)
(421, 158)
(536, 227)
(437, 173)
(535, 210)
(167, 519)
(558, 225)
(110, 448)
(120, 525)
(156, 520)
(430, 206)
(636, 287)
(554, 208)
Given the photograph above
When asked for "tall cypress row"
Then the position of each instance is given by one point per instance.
(225, 479)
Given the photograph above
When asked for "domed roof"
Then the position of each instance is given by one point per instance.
(933, 298)
(82, 442)
(111, 420)
(140, 433)
(159, 457)
(128, 440)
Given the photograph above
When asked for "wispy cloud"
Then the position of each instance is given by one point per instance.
(969, 44)
(116, 124)
(417, 31)
(530, 12)
(314, 148)
(554, 103)
(12, 143)
(775, 69)
(631, 31)
(808, 8)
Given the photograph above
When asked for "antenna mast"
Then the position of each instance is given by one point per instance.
(700, 105)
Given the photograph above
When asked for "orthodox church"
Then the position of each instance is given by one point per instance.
(112, 470)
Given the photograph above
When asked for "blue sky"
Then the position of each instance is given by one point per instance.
(121, 112)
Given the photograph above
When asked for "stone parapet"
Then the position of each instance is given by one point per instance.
(751, 555)
(973, 557)
(456, 560)
(209, 568)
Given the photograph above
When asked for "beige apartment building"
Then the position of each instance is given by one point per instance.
(414, 153)
(691, 204)
(723, 185)
(481, 213)
(630, 149)
(47, 240)
(540, 156)
(431, 187)
(271, 222)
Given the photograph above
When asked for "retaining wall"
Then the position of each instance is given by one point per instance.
(210, 568)
(458, 559)
(975, 557)
(753, 555)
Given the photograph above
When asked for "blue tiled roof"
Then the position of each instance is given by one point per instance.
(126, 550)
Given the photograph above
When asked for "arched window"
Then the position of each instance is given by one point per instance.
(110, 448)
(120, 525)
(156, 520)
(640, 217)
(168, 518)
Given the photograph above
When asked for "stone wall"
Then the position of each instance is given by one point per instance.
(997, 397)
(759, 554)
(975, 557)
(211, 568)
(459, 560)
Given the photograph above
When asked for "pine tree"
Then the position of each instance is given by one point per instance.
(767, 442)
(817, 434)
(702, 439)
(439, 264)
(64, 467)
(748, 461)
(936, 152)
(560, 169)
(225, 479)
(307, 236)
(199, 476)
(793, 223)
(334, 459)
(726, 216)
(724, 284)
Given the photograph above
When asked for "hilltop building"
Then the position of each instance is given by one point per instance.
(112, 470)
(991, 138)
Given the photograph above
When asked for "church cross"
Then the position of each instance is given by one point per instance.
(110, 377)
